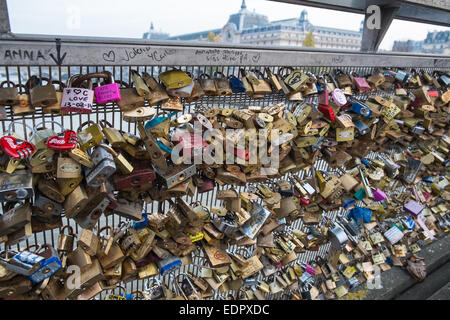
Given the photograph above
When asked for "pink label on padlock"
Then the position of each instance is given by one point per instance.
(77, 100)
(379, 195)
(339, 97)
(107, 93)
(279, 266)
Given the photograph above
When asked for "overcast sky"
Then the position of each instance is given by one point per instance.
(131, 18)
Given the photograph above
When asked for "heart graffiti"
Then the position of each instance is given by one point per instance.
(109, 56)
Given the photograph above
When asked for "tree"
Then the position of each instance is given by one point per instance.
(309, 40)
(211, 37)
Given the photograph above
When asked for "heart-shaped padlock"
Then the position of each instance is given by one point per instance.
(66, 140)
(16, 148)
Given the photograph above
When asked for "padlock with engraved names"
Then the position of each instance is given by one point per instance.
(77, 99)
(67, 168)
(108, 92)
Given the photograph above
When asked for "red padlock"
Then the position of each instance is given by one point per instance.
(65, 141)
(16, 148)
(327, 111)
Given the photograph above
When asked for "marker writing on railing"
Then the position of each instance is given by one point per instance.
(59, 59)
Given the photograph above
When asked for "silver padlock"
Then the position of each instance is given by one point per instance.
(227, 224)
(104, 167)
(48, 205)
(177, 174)
(16, 186)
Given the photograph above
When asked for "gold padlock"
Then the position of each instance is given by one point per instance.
(91, 136)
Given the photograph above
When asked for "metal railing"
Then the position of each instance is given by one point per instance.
(24, 56)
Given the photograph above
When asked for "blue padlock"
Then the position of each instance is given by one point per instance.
(360, 213)
(169, 264)
(141, 224)
(365, 162)
(236, 85)
(361, 109)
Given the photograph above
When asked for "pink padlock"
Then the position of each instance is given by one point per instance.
(361, 84)
(379, 195)
(108, 92)
(77, 99)
(310, 269)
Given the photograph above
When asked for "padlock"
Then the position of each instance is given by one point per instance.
(16, 148)
(88, 241)
(123, 165)
(67, 168)
(30, 264)
(56, 107)
(16, 186)
(40, 95)
(142, 174)
(104, 241)
(360, 83)
(296, 80)
(97, 203)
(66, 241)
(222, 84)
(262, 87)
(51, 190)
(66, 140)
(8, 95)
(81, 157)
(15, 219)
(128, 209)
(208, 85)
(89, 137)
(77, 99)
(337, 94)
(114, 136)
(23, 107)
(139, 114)
(342, 78)
(75, 201)
(47, 205)
(109, 92)
(129, 98)
(157, 157)
(140, 85)
(104, 167)
(159, 94)
(236, 84)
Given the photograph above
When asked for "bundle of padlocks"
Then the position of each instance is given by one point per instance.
(388, 176)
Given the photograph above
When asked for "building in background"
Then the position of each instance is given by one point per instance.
(436, 42)
(250, 27)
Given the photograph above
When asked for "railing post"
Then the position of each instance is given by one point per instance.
(380, 20)
(5, 27)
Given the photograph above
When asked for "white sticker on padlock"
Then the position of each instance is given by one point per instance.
(393, 235)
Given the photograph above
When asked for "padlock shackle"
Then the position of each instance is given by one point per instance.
(22, 123)
(36, 131)
(109, 149)
(84, 124)
(8, 82)
(219, 73)
(61, 85)
(110, 228)
(70, 230)
(123, 83)
(203, 75)
(105, 122)
(97, 75)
